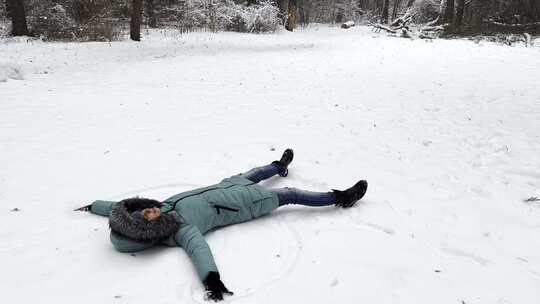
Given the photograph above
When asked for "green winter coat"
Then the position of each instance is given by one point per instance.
(233, 200)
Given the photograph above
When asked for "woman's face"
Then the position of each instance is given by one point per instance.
(151, 214)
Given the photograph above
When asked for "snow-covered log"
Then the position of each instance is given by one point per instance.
(506, 27)
(347, 24)
(431, 28)
(432, 31)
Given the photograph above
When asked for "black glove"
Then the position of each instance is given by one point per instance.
(84, 208)
(214, 287)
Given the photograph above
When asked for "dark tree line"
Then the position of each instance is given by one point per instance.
(498, 15)
(507, 15)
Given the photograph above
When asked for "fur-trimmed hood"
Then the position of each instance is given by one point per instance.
(127, 219)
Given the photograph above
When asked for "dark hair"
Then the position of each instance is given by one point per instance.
(139, 203)
(127, 220)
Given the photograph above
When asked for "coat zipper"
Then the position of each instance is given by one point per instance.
(218, 207)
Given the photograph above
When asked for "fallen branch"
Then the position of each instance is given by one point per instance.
(401, 22)
(398, 26)
(378, 27)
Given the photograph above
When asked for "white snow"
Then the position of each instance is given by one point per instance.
(9, 71)
(446, 133)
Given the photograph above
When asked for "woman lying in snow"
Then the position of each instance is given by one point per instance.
(181, 220)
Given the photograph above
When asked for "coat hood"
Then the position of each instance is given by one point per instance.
(126, 218)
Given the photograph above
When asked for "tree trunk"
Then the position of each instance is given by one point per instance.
(291, 16)
(449, 12)
(136, 16)
(384, 15)
(303, 12)
(395, 9)
(535, 9)
(378, 5)
(459, 14)
(151, 14)
(15, 10)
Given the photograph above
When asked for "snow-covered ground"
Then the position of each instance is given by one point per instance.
(446, 133)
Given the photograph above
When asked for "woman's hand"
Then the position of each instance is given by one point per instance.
(214, 287)
(84, 208)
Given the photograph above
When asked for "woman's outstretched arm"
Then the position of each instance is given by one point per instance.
(191, 239)
(99, 207)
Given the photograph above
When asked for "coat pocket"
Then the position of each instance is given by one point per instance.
(256, 207)
(262, 206)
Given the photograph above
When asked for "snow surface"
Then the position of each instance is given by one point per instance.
(446, 133)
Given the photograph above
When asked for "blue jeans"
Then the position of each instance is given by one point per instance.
(290, 195)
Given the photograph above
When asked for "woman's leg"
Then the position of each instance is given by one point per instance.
(288, 196)
(261, 173)
(276, 167)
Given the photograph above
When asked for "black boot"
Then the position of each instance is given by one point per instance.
(285, 160)
(349, 197)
